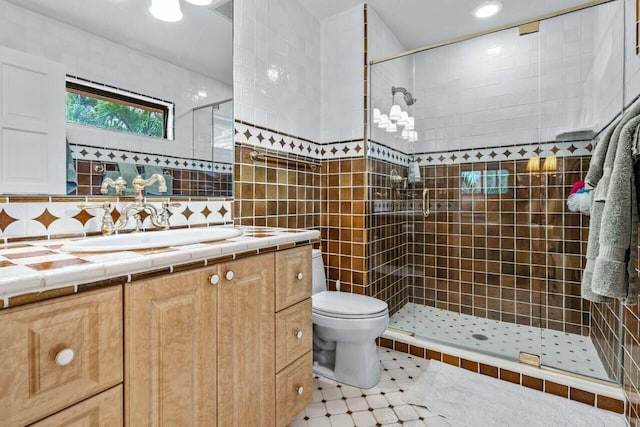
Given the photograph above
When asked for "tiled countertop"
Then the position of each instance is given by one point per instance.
(38, 270)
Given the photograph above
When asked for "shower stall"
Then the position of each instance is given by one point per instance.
(212, 126)
(471, 241)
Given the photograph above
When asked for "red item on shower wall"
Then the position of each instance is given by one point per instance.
(577, 186)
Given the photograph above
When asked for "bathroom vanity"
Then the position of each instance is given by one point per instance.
(223, 340)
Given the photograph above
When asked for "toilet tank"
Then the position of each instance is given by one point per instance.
(319, 281)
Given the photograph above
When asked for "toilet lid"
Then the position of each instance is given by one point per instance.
(347, 305)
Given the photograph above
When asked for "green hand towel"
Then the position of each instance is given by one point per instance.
(128, 171)
(72, 176)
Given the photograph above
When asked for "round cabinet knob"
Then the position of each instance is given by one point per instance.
(214, 279)
(300, 390)
(300, 276)
(229, 275)
(65, 356)
(299, 334)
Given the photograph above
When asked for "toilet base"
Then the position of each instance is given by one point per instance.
(356, 364)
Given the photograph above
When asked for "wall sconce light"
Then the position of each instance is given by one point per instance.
(533, 165)
(550, 164)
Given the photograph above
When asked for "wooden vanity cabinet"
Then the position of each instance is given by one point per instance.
(58, 352)
(226, 345)
(200, 347)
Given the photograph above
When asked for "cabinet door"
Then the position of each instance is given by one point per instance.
(170, 351)
(32, 124)
(56, 353)
(246, 356)
(103, 410)
(293, 276)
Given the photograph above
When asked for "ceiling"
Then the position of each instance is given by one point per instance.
(201, 41)
(418, 23)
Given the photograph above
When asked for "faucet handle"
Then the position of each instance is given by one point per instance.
(104, 205)
(167, 205)
(120, 186)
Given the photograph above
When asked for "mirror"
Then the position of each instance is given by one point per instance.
(143, 95)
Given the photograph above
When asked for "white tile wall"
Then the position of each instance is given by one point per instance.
(503, 89)
(581, 70)
(398, 72)
(95, 58)
(277, 66)
(342, 66)
(631, 59)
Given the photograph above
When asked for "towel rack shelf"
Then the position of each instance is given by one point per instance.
(256, 154)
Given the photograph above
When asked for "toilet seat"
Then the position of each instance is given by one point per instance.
(346, 305)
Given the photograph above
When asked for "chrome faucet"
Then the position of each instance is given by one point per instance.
(135, 209)
(158, 219)
(140, 183)
(119, 185)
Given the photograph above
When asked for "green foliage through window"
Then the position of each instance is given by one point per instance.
(114, 114)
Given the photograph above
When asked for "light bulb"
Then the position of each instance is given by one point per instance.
(411, 124)
(404, 119)
(395, 113)
(166, 10)
(384, 121)
(376, 115)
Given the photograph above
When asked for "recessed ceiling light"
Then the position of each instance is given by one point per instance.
(200, 2)
(166, 10)
(487, 9)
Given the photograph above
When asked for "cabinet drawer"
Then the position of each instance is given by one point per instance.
(59, 352)
(293, 276)
(103, 410)
(294, 389)
(293, 333)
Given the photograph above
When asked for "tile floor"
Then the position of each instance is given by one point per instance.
(338, 405)
(571, 352)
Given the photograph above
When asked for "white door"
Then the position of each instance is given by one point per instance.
(32, 124)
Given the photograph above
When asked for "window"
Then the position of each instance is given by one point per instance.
(102, 106)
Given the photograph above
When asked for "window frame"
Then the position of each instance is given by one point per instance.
(124, 97)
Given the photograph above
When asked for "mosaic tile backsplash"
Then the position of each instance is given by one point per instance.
(25, 218)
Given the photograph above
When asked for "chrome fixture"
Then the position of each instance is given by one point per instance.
(397, 117)
(119, 185)
(158, 219)
(397, 181)
(408, 98)
(425, 202)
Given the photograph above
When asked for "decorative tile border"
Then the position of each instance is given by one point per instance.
(246, 133)
(545, 385)
(518, 152)
(388, 154)
(101, 154)
(54, 217)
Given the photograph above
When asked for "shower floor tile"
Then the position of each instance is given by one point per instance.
(569, 352)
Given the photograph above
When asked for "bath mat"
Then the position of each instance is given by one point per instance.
(468, 399)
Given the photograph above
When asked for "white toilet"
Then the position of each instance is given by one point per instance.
(345, 327)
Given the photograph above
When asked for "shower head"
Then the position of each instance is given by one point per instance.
(408, 98)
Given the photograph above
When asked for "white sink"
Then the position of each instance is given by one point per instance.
(152, 239)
